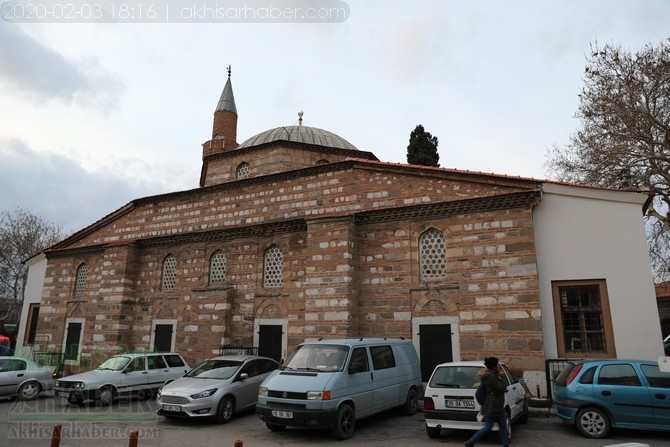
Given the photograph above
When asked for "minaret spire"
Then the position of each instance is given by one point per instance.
(225, 117)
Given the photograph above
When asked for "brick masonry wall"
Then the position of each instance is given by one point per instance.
(340, 278)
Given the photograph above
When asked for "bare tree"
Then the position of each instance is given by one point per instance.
(624, 139)
(22, 235)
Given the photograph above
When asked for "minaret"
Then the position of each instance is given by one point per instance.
(224, 129)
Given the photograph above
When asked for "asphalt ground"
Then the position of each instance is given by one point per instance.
(32, 424)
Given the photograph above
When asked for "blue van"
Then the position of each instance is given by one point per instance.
(332, 383)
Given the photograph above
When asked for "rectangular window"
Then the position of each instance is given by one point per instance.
(31, 326)
(583, 321)
(382, 357)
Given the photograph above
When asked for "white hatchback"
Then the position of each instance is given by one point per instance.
(449, 400)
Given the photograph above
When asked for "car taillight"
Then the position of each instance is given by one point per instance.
(428, 403)
(573, 374)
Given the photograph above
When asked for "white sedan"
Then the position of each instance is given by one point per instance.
(23, 378)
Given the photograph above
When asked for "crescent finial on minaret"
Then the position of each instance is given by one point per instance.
(228, 70)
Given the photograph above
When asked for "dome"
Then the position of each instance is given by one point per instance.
(300, 134)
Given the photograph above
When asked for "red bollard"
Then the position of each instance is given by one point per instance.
(238, 443)
(133, 439)
(55, 436)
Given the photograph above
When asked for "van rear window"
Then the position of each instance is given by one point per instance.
(382, 357)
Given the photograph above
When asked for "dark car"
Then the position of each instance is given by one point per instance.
(598, 395)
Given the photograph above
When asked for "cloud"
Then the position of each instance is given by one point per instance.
(40, 72)
(57, 189)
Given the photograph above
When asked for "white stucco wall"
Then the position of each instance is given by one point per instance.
(588, 233)
(37, 267)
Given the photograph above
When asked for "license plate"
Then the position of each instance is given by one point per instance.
(62, 393)
(282, 414)
(175, 408)
(459, 404)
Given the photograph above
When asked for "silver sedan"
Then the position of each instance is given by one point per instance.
(23, 378)
(216, 388)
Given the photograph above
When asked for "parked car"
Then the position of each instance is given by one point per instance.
(125, 374)
(23, 378)
(216, 388)
(449, 400)
(332, 383)
(598, 395)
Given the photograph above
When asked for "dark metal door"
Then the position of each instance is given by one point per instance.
(435, 347)
(269, 341)
(72, 341)
(163, 338)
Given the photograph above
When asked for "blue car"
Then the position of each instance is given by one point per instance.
(598, 395)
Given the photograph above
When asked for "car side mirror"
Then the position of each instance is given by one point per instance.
(244, 376)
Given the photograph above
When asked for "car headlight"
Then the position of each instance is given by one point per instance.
(318, 395)
(263, 391)
(80, 385)
(202, 394)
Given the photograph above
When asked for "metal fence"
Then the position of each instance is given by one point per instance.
(553, 368)
(237, 350)
(48, 358)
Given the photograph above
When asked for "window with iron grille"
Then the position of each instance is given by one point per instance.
(583, 320)
(80, 286)
(243, 171)
(169, 273)
(433, 255)
(274, 267)
(217, 268)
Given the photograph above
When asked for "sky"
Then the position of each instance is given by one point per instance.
(96, 113)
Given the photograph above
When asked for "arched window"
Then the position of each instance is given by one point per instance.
(169, 273)
(323, 161)
(80, 285)
(273, 270)
(243, 170)
(433, 255)
(217, 268)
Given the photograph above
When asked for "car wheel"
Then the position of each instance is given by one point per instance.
(106, 395)
(72, 399)
(345, 422)
(593, 423)
(508, 425)
(29, 391)
(433, 432)
(275, 427)
(224, 412)
(523, 419)
(411, 404)
(145, 394)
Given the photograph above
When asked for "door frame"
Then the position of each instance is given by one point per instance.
(454, 322)
(273, 322)
(81, 321)
(155, 323)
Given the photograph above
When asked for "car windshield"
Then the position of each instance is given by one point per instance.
(455, 377)
(116, 363)
(318, 358)
(215, 369)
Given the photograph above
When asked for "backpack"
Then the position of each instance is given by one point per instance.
(480, 395)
